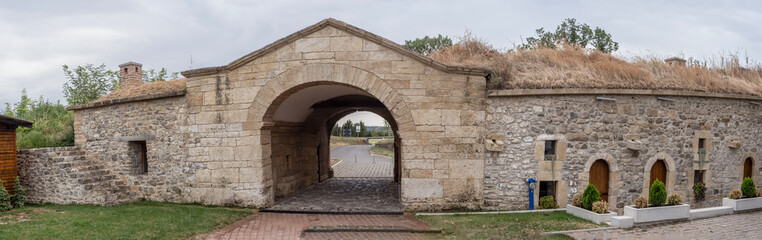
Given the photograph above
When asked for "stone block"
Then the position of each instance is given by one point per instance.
(421, 188)
(466, 169)
(306, 45)
(349, 43)
(427, 117)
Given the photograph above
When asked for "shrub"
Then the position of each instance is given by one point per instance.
(735, 194)
(5, 199)
(601, 207)
(577, 200)
(640, 202)
(590, 196)
(19, 199)
(658, 194)
(748, 189)
(674, 199)
(699, 191)
(547, 202)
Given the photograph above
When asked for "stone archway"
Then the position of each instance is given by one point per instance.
(670, 175)
(260, 115)
(614, 176)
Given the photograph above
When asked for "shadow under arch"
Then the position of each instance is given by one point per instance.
(260, 118)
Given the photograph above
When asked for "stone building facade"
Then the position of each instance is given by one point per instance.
(258, 128)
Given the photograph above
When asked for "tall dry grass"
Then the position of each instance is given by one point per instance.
(574, 67)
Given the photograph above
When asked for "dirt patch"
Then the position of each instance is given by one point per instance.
(23, 216)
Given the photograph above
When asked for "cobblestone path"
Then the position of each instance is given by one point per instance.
(734, 226)
(291, 226)
(345, 195)
(350, 169)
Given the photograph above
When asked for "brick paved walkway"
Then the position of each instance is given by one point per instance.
(345, 195)
(291, 226)
(734, 226)
(351, 169)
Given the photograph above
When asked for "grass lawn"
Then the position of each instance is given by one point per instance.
(507, 226)
(382, 152)
(344, 141)
(140, 220)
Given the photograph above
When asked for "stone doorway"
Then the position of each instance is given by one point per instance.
(299, 134)
(599, 177)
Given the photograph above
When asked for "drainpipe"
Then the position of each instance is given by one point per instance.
(532, 186)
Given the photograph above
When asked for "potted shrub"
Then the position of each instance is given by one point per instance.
(699, 191)
(747, 198)
(547, 202)
(658, 207)
(589, 206)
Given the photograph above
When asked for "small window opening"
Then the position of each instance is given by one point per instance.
(702, 143)
(548, 188)
(136, 69)
(698, 176)
(550, 150)
(139, 156)
(125, 70)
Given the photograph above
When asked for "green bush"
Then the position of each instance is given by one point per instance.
(5, 199)
(19, 199)
(658, 194)
(590, 196)
(547, 202)
(748, 189)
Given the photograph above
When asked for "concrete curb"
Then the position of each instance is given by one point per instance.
(330, 212)
(495, 212)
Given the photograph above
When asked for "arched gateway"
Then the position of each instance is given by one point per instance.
(292, 91)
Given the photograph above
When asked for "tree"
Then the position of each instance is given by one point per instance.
(152, 75)
(569, 32)
(87, 83)
(428, 44)
(336, 131)
(53, 125)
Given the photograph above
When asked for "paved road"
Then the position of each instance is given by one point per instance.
(361, 152)
(734, 226)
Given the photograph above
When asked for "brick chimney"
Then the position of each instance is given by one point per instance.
(132, 74)
(675, 61)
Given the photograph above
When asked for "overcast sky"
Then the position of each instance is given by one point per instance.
(37, 37)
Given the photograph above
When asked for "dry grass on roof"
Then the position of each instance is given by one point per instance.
(146, 89)
(574, 67)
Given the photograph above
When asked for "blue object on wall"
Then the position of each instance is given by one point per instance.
(531, 185)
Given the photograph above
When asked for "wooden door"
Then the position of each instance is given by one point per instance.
(747, 168)
(599, 177)
(658, 171)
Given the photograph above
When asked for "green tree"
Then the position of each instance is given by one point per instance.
(53, 125)
(569, 32)
(336, 131)
(86, 83)
(18, 200)
(5, 198)
(152, 75)
(428, 44)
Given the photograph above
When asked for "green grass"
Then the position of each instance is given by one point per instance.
(507, 226)
(382, 152)
(140, 220)
(344, 141)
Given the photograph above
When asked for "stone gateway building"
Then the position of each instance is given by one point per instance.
(258, 128)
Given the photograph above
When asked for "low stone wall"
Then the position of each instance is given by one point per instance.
(61, 175)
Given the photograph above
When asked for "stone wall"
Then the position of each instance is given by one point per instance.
(62, 175)
(294, 157)
(593, 129)
(110, 136)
